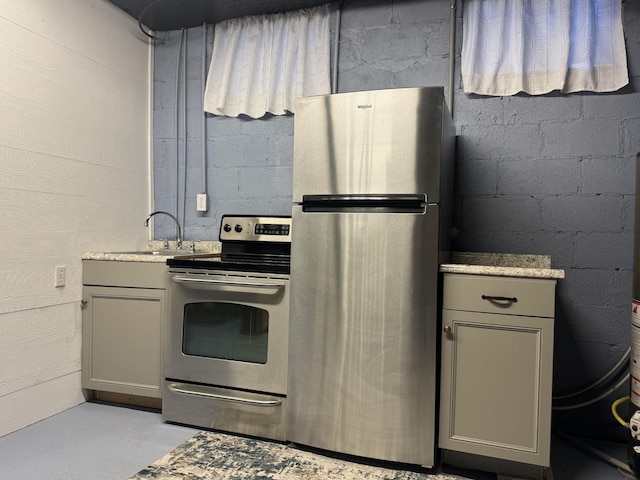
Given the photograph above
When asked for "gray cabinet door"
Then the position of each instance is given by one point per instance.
(122, 340)
(496, 385)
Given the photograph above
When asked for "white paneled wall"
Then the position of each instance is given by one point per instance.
(74, 177)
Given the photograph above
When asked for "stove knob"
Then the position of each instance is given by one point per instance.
(227, 227)
(238, 228)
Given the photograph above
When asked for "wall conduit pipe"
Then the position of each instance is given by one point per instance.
(452, 53)
(204, 114)
(177, 117)
(184, 128)
(336, 49)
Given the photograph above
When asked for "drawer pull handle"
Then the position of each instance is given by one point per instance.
(202, 392)
(500, 301)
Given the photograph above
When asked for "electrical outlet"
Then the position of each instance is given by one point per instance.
(61, 274)
(201, 202)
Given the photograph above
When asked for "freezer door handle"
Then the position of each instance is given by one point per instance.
(366, 203)
(201, 391)
(420, 198)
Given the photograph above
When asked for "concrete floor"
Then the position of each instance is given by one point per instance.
(89, 442)
(103, 442)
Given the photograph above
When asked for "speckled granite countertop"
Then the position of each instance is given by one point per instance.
(496, 264)
(202, 248)
(502, 264)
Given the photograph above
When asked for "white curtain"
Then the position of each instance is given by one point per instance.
(262, 63)
(537, 46)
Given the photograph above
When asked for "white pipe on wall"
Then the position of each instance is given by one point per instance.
(150, 169)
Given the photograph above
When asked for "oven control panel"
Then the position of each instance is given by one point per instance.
(255, 229)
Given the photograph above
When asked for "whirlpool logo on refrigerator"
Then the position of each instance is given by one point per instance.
(365, 106)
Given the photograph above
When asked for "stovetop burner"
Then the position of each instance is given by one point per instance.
(249, 244)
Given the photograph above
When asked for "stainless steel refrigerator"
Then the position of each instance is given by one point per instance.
(371, 222)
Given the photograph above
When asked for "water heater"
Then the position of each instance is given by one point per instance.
(634, 408)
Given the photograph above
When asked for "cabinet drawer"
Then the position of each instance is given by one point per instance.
(504, 295)
(124, 274)
(255, 414)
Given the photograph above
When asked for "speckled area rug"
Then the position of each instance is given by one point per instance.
(213, 455)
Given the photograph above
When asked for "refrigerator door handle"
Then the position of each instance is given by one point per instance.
(395, 203)
(391, 198)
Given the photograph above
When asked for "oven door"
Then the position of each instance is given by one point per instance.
(228, 330)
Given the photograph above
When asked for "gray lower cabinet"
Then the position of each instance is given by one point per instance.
(122, 327)
(497, 368)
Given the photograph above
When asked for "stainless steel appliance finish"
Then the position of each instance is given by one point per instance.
(226, 348)
(373, 142)
(372, 187)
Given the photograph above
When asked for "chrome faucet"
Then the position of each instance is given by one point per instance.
(146, 224)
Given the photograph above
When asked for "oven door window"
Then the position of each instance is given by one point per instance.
(227, 331)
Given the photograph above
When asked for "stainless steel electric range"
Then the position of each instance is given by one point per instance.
(226, 348)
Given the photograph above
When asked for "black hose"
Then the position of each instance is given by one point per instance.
(588, 449)
(147, 8)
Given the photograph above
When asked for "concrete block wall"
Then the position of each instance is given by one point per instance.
(552, 174)
(249, 164)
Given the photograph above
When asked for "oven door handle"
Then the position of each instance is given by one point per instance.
(201, 392)
(227, 283)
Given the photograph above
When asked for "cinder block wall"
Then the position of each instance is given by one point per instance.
(249, 162)
(551, 175)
